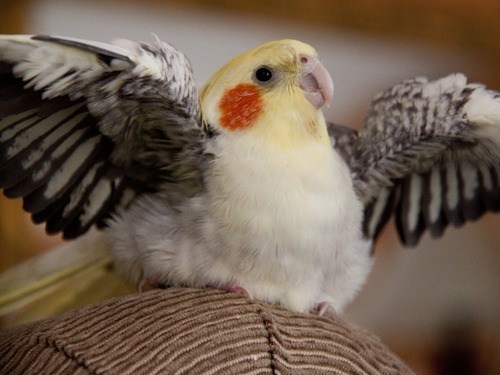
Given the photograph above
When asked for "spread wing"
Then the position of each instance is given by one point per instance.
(429, 153)
(85, 127)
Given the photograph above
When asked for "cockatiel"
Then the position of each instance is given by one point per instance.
(244, 187)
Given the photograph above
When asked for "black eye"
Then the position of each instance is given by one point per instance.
(263, 74)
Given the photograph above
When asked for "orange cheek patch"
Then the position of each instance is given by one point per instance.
(240, 107)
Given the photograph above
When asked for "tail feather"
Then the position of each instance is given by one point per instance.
(74, 274)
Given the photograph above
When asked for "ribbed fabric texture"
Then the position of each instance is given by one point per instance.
(192, 331)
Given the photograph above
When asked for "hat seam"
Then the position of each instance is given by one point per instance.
(60, 348)
(268, 327)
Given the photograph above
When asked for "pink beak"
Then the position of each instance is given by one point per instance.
(316, 82)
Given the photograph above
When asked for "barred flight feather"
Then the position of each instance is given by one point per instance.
(72, 148)
(75, 165)
(421, 157)
(378, 212)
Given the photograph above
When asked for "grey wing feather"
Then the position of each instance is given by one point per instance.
(429, 153)
(85, 127)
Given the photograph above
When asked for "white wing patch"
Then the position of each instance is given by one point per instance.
(435, 195)
(96, 201)
(452, 193)
(80, 190)
(68, 143)
(61, 132)
(378, 210)
(18, 126)
(484, 109)
(14, 48)
(24, 139)
(449, 83)
(69, 168)
(415, 197)
(470, 181)
(10, 120)
(49, 78)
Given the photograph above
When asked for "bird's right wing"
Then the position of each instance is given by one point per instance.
(85, 127)
(429, 153)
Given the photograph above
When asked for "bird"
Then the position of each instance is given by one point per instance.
(243, 185)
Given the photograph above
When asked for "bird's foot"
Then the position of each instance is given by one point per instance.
(235, 288)
(324, 308)
(143, 285)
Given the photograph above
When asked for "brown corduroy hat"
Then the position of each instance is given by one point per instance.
(192, 331)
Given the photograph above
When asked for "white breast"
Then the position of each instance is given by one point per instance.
(283, 215)
(281, 223)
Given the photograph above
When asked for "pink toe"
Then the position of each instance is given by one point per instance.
(235, 288)
(324, 308)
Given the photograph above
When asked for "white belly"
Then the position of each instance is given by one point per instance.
(284, 226)
(289, 223)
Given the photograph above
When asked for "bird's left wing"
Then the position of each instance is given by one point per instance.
(429, 153)
(85, 127)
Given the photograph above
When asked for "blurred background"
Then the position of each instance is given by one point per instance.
(437, 305)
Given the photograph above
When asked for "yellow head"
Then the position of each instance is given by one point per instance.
(275, 90)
